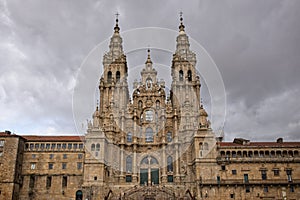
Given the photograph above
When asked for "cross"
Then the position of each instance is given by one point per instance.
(117, 15)
(180, 13)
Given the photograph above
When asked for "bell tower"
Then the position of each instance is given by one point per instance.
(113, 85)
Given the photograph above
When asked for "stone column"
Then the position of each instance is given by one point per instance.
(122, 177)
(134, 165)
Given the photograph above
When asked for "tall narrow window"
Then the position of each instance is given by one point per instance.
(246, 178)
(98, 147)
(93, 147)
(264, 175)
(48, 182)
(31, 181)
(129, 164)
(169, 137)
(64, 181)
(180, 75)
(149, 135)
(109, 76)
(118, 75)
(170, 164)
(129, 137)
(289, 175)
(189, 75)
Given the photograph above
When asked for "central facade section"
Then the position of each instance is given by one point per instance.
(151, 138)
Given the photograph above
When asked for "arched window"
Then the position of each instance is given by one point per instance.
(109, 76)
(79, 195)
(140, 104)
(157, 104)
(169, 137)
(170, 164)
(98, 147)
(129, 164)
(189, 75)
(148, 83)
(180, 75)
(118, 75)
(129, 137)
(93, 147)
(149, 135)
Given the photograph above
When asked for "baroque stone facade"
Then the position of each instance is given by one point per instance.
(152, 145)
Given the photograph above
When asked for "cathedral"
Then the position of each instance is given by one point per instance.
(153, 144)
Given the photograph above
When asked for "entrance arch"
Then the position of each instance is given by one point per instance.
(149, 171)
(78, 195)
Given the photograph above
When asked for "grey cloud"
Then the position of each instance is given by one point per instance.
(255, 44)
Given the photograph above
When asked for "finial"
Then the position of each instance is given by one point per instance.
(117, 23)
(181, 26)
(148, 58)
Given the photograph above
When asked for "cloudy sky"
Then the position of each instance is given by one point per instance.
(254, 43)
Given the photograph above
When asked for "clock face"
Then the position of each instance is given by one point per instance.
(149, 115)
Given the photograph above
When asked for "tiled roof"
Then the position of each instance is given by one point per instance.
(261, 144)
(35, 138)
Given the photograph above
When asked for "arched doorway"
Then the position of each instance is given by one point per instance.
(79, 195)
(149, 171)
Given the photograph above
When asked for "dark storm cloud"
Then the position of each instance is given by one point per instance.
(254, 43)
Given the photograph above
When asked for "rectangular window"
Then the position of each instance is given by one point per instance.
(223, 167)
(50, 165)
(79, 165)
(79, 156)
(128, 178)
(53, 146)
(48, 146)
(247, 189)
(64, 181)
(33, 156)
(64, 165)
(36, 146)
(234, 171)
(64, 145)
(276, 172)
(232, 196)
(292, 189)
(58, 146)
(95, 178)
(289, 175)
(170, 178)
(75, 146)
(32, 165)
(218, 180)
(48, 182)
(266, 189)
(246, 178)
(69, 146)
(51, 156)
(80, 146)
(31, 181)
(1, 143)
(31, 146)
(65, 156)
(42, 146)
(264, 175)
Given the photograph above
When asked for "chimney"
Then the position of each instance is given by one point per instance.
(280, 140)
(7, 132)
